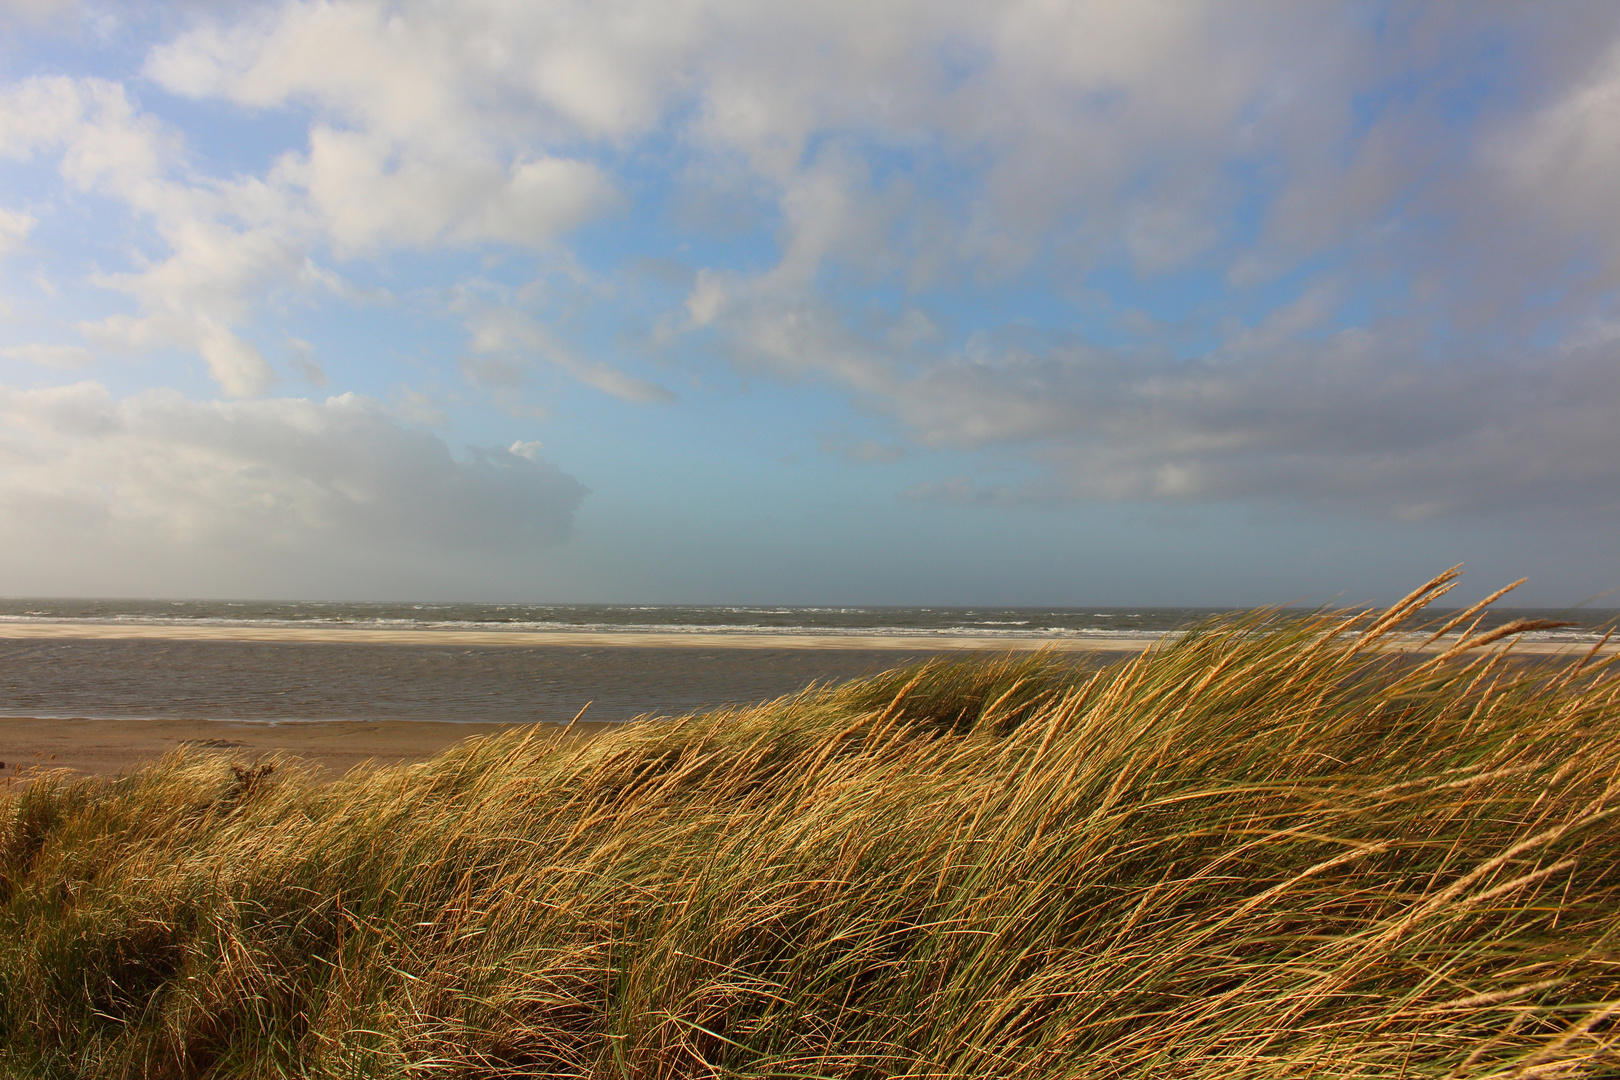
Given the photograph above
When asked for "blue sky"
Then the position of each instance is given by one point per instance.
(897, 302)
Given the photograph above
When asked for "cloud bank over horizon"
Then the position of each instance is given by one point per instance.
(155, 481)
(1340, 261)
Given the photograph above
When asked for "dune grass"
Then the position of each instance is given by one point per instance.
(1269, 849)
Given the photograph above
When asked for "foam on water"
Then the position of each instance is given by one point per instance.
(1012, 622)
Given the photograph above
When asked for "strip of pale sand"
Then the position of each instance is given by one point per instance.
(109, 747)
(596, 639)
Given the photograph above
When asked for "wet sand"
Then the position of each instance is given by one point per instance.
(109, 747)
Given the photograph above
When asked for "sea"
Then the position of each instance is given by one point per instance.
(299, 682)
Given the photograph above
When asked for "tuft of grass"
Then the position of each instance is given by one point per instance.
(1272, 848)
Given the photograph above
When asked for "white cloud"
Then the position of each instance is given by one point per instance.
(57, 356)
(214, 274)
(230, 245)
(14, 229)
(107, 144)
(395, 71)
(419, 73)
(371, 195)
(1093, 131)
(272, 481)
(912, 153)
(236, 364)
(1059, 108)
(424, 146)
(505, 341)
(530, 450)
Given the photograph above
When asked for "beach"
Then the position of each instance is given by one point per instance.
(103, 698)
(109, 747)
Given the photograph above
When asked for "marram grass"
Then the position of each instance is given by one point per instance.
(1268, 850)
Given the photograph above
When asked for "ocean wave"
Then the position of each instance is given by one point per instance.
(776, 620)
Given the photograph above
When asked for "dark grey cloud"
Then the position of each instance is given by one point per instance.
(1353, 421)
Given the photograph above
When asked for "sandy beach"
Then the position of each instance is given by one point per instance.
(109, 747)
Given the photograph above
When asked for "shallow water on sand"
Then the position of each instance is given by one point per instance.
(289, 681)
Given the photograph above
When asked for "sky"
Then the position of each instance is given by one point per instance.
(881, 302)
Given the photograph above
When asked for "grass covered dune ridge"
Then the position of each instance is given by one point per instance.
(1268, 849)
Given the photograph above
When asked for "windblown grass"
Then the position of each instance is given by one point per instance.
(1268, 850)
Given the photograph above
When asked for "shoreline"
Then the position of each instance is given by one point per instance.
(109, 745)
(1115, 642)
(575, 638)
